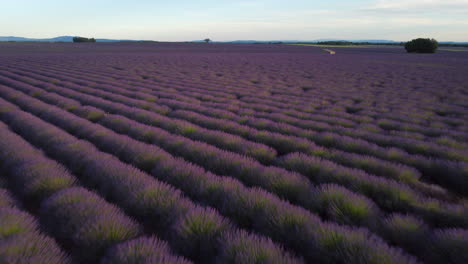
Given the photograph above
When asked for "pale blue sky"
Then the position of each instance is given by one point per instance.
(233, 20)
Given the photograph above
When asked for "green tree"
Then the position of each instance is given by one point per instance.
(422, 45)
(81, 39)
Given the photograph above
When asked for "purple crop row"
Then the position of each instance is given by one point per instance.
(201, 158)
(32, 176)
(400, 125)
(88, 112)
(76, 225)
(411, 145)
(446, 173)
(286, 184)
(291, 143)
(132, 65)
(138, 132)
(314, 115)
(126, 72)
(171, 69)
(305, 116)
(343, 160)
(220, 139)
(21, 240)
(79, 219)
(86, 223)
(330, 203)
(286, 144)
(189, 75)
(222, 190)
(254, 103)
(387, 194)
(188, 227)
(83, 88)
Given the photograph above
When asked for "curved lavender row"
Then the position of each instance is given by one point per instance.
(14, 221)
(217, 138)
(139, 132)
(143, 250)
(387, 194)
(203, 162)
(142, 161)
(304, 121)
(39, 179)
(418, 147)
(33, 176)
(286, 144)
(155, 204)
(402, 145)
(136, 116)
(102, 140)
(20, 238)
(365, 245)
(290, 144)
(337, 106)
(326, 139)
(86, 223)
(436, 170)
(286, 184)
(22, 243)
(439, 246)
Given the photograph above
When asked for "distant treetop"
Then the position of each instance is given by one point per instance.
(81, 39)
(422, 45)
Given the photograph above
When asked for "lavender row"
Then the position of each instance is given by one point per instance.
(290, 143)
(32, 176)
(21, 241)
(286, 184)
(343, 211)
(386, 193)
(412, 146)
(404, 172)
(86, 223)
(141, 131)
(287, 144)
(222, 140)
(433, 169)
(295, 142)
(438, 246)
(400, 125)
(88, 111)
(226, 141)
(189, 228)
(79, 219)
(142, 250)
(245, 212)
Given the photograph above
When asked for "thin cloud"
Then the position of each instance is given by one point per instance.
(418, 5)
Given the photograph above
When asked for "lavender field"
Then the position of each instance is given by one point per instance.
(232, 153)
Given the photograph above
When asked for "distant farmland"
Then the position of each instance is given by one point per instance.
(232, 153)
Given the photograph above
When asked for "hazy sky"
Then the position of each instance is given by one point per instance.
(232, 20)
